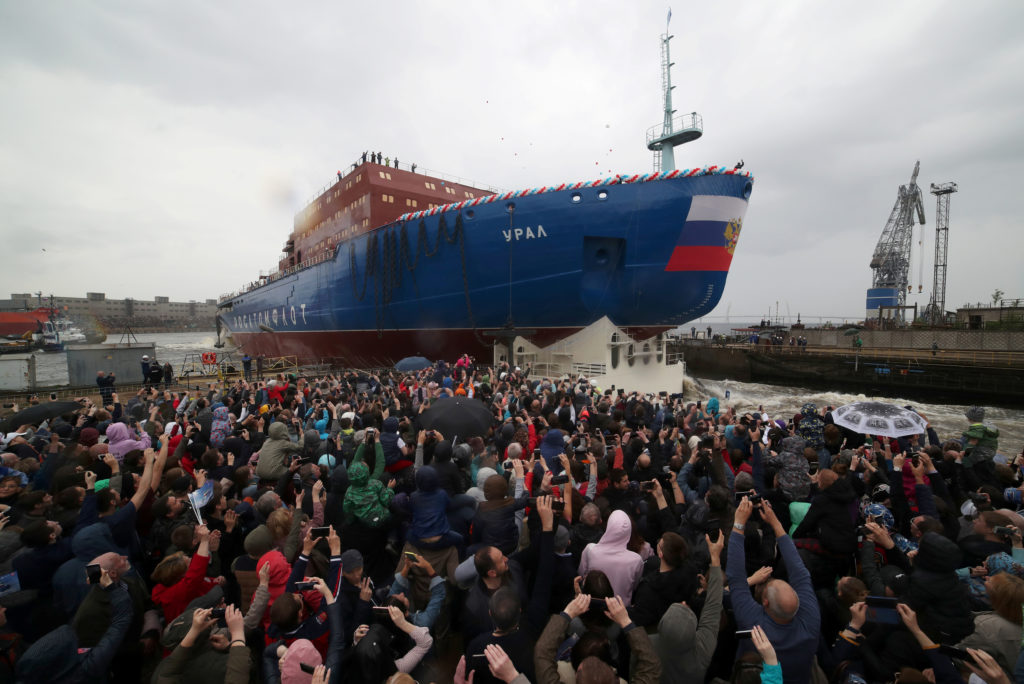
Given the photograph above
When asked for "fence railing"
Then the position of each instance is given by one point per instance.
(973, 357)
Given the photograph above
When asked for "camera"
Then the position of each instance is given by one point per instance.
(560, 480)
(94, 572)
(647, 486)
(754, 497)
(217, 613)
(304, 586)
(556, 505)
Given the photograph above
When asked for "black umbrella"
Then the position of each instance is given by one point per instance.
(34, 415)
(411, 364)
(458, 417)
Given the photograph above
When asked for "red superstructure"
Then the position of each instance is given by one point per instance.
(21, 322)
(371, 195)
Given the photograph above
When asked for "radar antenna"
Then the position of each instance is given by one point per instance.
(937, 306)
(673, 130)
(891, 259)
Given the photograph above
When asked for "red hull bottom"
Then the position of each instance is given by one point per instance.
(370, 349)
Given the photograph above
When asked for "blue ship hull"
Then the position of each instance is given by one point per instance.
(648, 254)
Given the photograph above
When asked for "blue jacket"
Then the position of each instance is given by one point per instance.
(314, 626)
(428, 616)
(795, 642)
(55, 657)
(429, 506)
(335, 649)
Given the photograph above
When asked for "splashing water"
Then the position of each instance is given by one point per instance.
(784, 402)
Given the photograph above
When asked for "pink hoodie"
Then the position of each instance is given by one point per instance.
(610, 556)
(120, 442)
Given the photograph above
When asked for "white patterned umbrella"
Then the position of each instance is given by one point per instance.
(876, 418)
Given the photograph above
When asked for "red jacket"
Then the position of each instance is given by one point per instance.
(277, 391)
(174, 599)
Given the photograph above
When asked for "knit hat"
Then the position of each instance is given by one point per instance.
(351, 560)
(975, 414)
(562, 536)
(88, 437)
(302, 651)
(258, 542)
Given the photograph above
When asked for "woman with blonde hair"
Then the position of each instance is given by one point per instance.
(998, 631)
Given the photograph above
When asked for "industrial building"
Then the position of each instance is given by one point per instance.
(158, 312)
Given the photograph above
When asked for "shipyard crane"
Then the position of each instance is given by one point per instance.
(937, 306)
(891, 259)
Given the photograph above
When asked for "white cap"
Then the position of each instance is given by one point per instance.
(145, 357)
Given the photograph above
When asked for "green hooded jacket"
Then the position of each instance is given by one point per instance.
(367, 498)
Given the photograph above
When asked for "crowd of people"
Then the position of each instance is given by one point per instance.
(481, 524)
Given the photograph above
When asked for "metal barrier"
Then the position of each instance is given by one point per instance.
(973, 357)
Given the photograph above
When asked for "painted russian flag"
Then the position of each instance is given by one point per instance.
(709, 235)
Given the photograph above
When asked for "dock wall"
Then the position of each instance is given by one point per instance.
(918, 339)
(879, 374)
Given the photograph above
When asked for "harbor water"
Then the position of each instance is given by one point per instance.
(778, 401)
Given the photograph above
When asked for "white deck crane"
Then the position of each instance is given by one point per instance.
(890, 262)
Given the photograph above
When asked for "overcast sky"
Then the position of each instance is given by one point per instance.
(156, 148)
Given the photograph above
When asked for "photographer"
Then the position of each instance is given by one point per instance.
(57, 658)
(283, 662)
(275, 454)
(827, 533)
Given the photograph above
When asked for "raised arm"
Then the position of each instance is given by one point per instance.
(143, 490)
(161, 461)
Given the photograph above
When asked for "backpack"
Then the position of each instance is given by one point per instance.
(348, 447)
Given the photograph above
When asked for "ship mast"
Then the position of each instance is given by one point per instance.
(674, 130)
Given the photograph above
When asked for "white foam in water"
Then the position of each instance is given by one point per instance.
(785, 402)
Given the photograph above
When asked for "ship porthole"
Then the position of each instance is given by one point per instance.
(747, 189)
(510, 207)
(470, 214)
(602, 194)
(577, 198)
(647, 353)
(629, 355)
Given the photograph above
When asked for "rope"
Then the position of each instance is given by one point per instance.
(611, 180)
